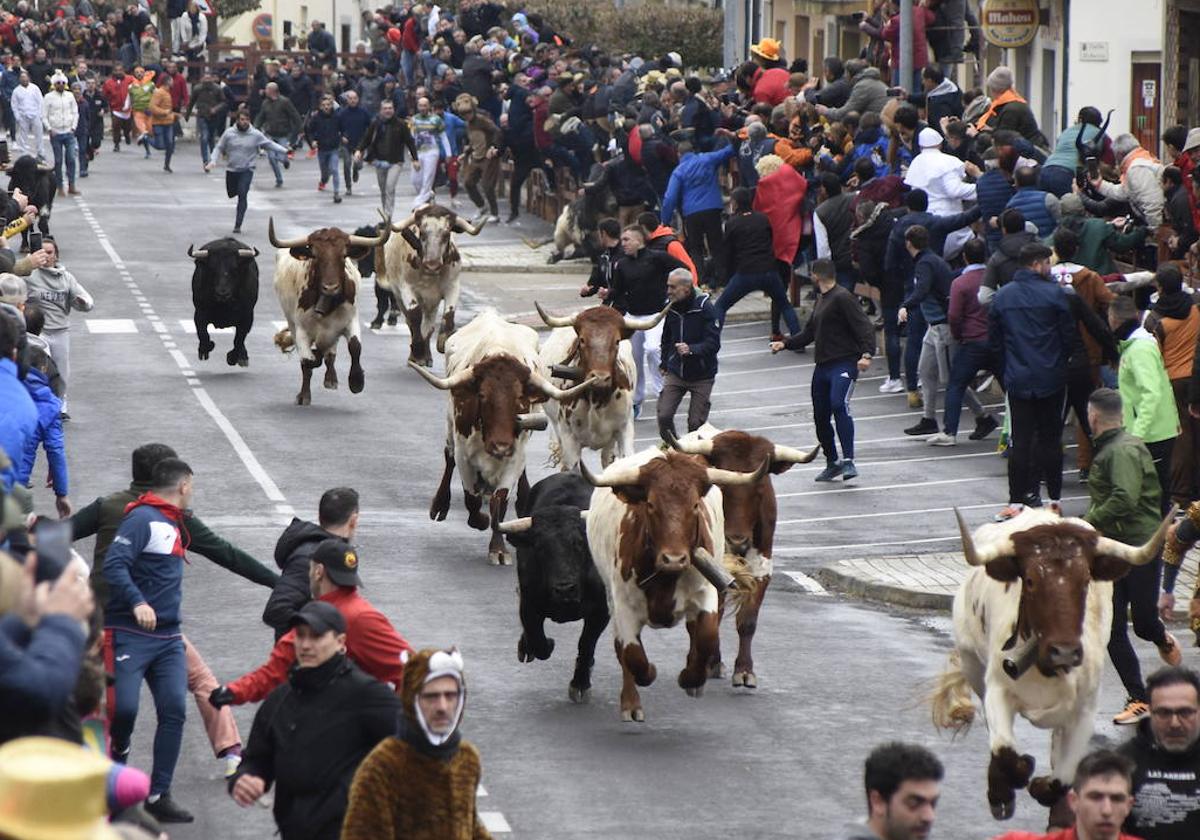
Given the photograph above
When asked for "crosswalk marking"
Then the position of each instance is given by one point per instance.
(109, 326)
(189, 327)
(494, 822)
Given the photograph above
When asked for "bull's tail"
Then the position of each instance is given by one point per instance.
(537, 243)
(950, 700)
(555, 457)
(285, 341)
(744, 583)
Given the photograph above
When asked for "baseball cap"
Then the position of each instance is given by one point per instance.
(340, 560)
(1192, 141)
(320, 617)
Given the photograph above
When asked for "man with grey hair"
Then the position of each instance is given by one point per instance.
(1141, 181)
(691, 337)
(1009, 110)
(279, 120)
(867, 92)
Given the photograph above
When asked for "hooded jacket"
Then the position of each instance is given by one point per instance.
(867, 93)
(294, 549)
(144, 565)
(1165, 787)
(1006, 260)
(60, 111)
(407, 789)
(309, 738)
(18, 420)
(1146, 395)
(663, 238)
(1124, 489)
(49, 433)
(1141, 186)
(639, 283)
(58, 292)
(695, 323)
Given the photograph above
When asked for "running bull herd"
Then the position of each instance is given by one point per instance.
(681, 532)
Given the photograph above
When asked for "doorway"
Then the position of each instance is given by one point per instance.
(1145, 103)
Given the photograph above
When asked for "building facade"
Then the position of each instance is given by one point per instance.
(275, 20)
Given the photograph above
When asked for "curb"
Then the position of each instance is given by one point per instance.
(484, 267)
(885, 593)
(532, 319)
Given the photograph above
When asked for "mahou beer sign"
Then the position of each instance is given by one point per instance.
(1009, 23)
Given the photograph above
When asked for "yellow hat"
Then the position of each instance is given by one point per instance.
(53, 790)
(767, 48)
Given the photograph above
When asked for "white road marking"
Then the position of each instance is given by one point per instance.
(252, 464)
(109, 326)
(494, 822)
(808, 584)
(480, 791)
(833, 488)
(843, 546)
(189, 327)
(997, 504)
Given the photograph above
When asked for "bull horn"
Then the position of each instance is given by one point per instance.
(555, 393)
(248, 253)
(609, 478)
(791, 455)
(283, 243)
(516, 526)
(532, 422)
(1137, 555)
(371, 241)
(973, 554)
(443, 383)
(647, 323)
(463, 226)
(197, 255)
(712, 571)
(730, 478)
(691, 447)
(409, 222)
(555, 320)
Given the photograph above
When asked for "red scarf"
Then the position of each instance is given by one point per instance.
(172, 512)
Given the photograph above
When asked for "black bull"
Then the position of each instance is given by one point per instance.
(224, 293)
(556, 577)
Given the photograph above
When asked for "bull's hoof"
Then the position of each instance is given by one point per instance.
(1061, 815)
(546, 650)
(330, 383)
(499, 557)
(478, 521)
(377, 323)
(1004, 810)
(579, 695)
(716, 670)
(1047, 790)
(206, 347)
(440, 507)
(745, 679)
(689, 680)
(554, 258)
(231, 358)
(303, 399)
(523, 654)
(357, 380)
(244, 361)
(633, 715)
(698, 691)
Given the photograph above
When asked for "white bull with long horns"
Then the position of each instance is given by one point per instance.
(495, 381)
(1031, 625)
(421, 267)
(593, 344)
(316, 281)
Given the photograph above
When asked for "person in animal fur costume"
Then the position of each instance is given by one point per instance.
(420, 784)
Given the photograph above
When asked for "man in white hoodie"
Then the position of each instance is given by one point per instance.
(58, 292)
(27, 112)
(942, 177)
(60, 113)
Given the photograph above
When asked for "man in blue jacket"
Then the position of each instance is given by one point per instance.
(695, 190)
(1031, 331)
(144, 572)
(691, 337)
(18, 414)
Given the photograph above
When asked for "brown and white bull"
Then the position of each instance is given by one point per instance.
(750, 512)
(495, 382)
(654, 527)
(316, 281)
(421, 267)
(1031, 625)
(593, 343)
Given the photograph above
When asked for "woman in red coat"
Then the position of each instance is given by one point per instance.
(780, 195)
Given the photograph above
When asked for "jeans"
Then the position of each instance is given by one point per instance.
(237, 184)
(938, 350)
(64, 146)
(408, 63)
(891, 340)
(912, 347)
(674, 387)
(162, 663)
(1136, 593)
(346, 155)
(60, 352)
(970, 358)
(164, 141)
(741, 285)
(387, 174)
(1035, 446)
(1056, 180)
(832, 387)
(703, 231)
(276, 159)
(208, 131)
(328, 161)
(647, 354)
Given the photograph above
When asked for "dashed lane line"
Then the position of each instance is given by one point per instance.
(244, 453)
(110, 326)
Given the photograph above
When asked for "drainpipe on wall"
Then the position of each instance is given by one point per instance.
(906, 44)
(1064, 116)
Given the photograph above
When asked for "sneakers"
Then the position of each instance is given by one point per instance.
(831, 471)
(337, 198)
(512, 217)
(1008, 513)
(393, 318)
(942, 439)
(166, 168)
(1134, 711)
(492, 219)
(984, 426)
(891, 386)
(1170, 652)
(320, 186)
(1083, 475)
(237, 229)
(849, 471)
(926, 426)
(165, 810)
(377, 323)
(914, 400)
(637, 410)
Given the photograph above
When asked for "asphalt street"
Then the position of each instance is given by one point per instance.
(836, 677)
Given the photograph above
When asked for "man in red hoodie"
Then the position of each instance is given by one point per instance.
(116, 90)
(1100, 798)
(372, 643)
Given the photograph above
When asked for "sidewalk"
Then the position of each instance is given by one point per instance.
(929, 581)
